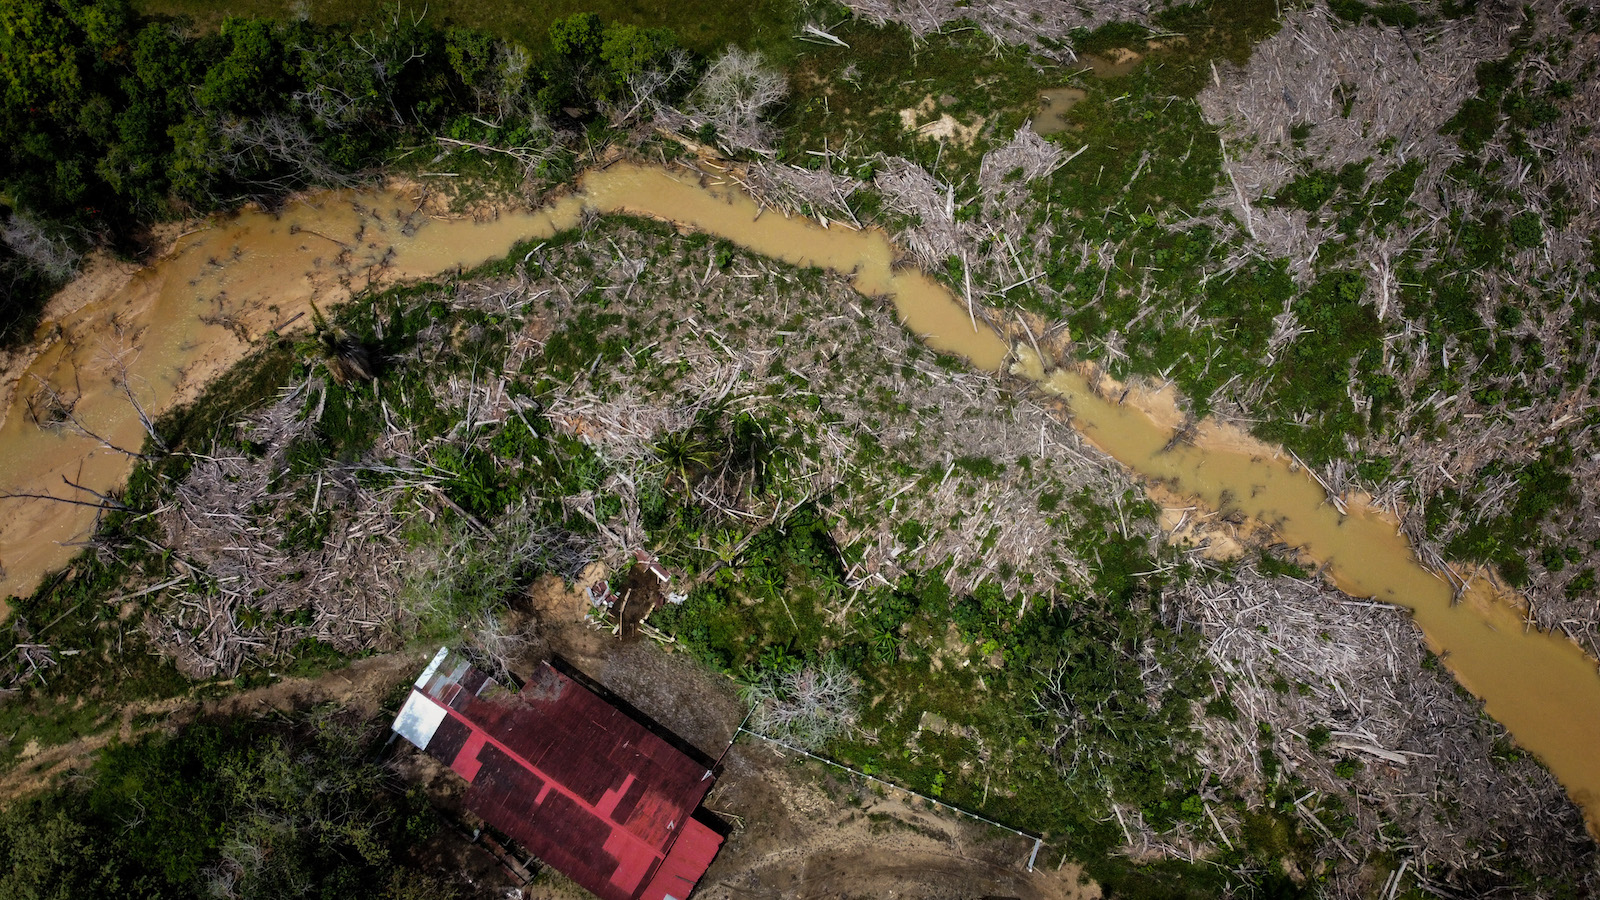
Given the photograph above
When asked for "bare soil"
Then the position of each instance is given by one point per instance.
(799, 830)
(803, 832)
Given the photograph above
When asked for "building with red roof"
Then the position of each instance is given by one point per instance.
(572, 774)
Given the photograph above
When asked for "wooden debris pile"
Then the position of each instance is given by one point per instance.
(1022, 22)
(1012, 231)
(28, 661)
(1028, 155)
(1324, 93)
(273, 557)
(793, 189)
(992, 250)
(1336, 692)
(848, 370)
(933, 234)
(994, 253)
(1354, 86)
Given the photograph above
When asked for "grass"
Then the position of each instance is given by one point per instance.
(41, 726)
(850, 99)
(705, 26)
(924, 655)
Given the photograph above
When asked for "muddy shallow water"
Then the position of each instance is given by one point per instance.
(1053, 106)
(162, 334)
(186, 318)
(1054, 103)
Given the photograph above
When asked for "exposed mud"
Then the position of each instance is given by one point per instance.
(1053, 106)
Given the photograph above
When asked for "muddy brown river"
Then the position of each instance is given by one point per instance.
(184, 319)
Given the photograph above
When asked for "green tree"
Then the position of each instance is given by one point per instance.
(59, 68)
(627, 50)
(576, 37)
(49, 855)
(39, 58)
(575, 46)
(471, 54)
(251, 74)
(194, 172)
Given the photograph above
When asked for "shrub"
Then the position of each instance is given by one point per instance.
(805, 706)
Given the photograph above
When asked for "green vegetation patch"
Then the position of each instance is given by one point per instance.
(856, 100)
(263, 808)
(1053, 700)
(705, 26)
(1501, 537)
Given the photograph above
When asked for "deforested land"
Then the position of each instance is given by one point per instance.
(354, 352)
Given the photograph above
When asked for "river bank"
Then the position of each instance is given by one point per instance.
(122, 346)
(231, 282)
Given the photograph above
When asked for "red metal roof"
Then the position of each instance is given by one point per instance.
(584, 785)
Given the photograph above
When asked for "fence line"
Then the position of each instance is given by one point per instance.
(1038, 840)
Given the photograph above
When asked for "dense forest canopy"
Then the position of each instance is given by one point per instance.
(113, 120)
(228, 808)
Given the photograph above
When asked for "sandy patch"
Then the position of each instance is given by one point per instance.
(910, 116)
(1188, 523)
(1159, 404)
(947, 128)
(944, 128)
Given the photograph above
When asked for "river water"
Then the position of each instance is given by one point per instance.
(175, 325)
(186, 318)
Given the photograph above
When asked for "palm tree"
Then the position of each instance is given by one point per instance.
(346, 357)
(682, 451)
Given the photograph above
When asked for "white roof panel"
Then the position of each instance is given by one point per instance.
(438, 660)
(419, 719)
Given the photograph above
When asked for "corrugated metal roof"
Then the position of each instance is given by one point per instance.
(697, 845)
(589, 788)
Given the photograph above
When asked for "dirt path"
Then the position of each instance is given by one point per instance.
(362, 687)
